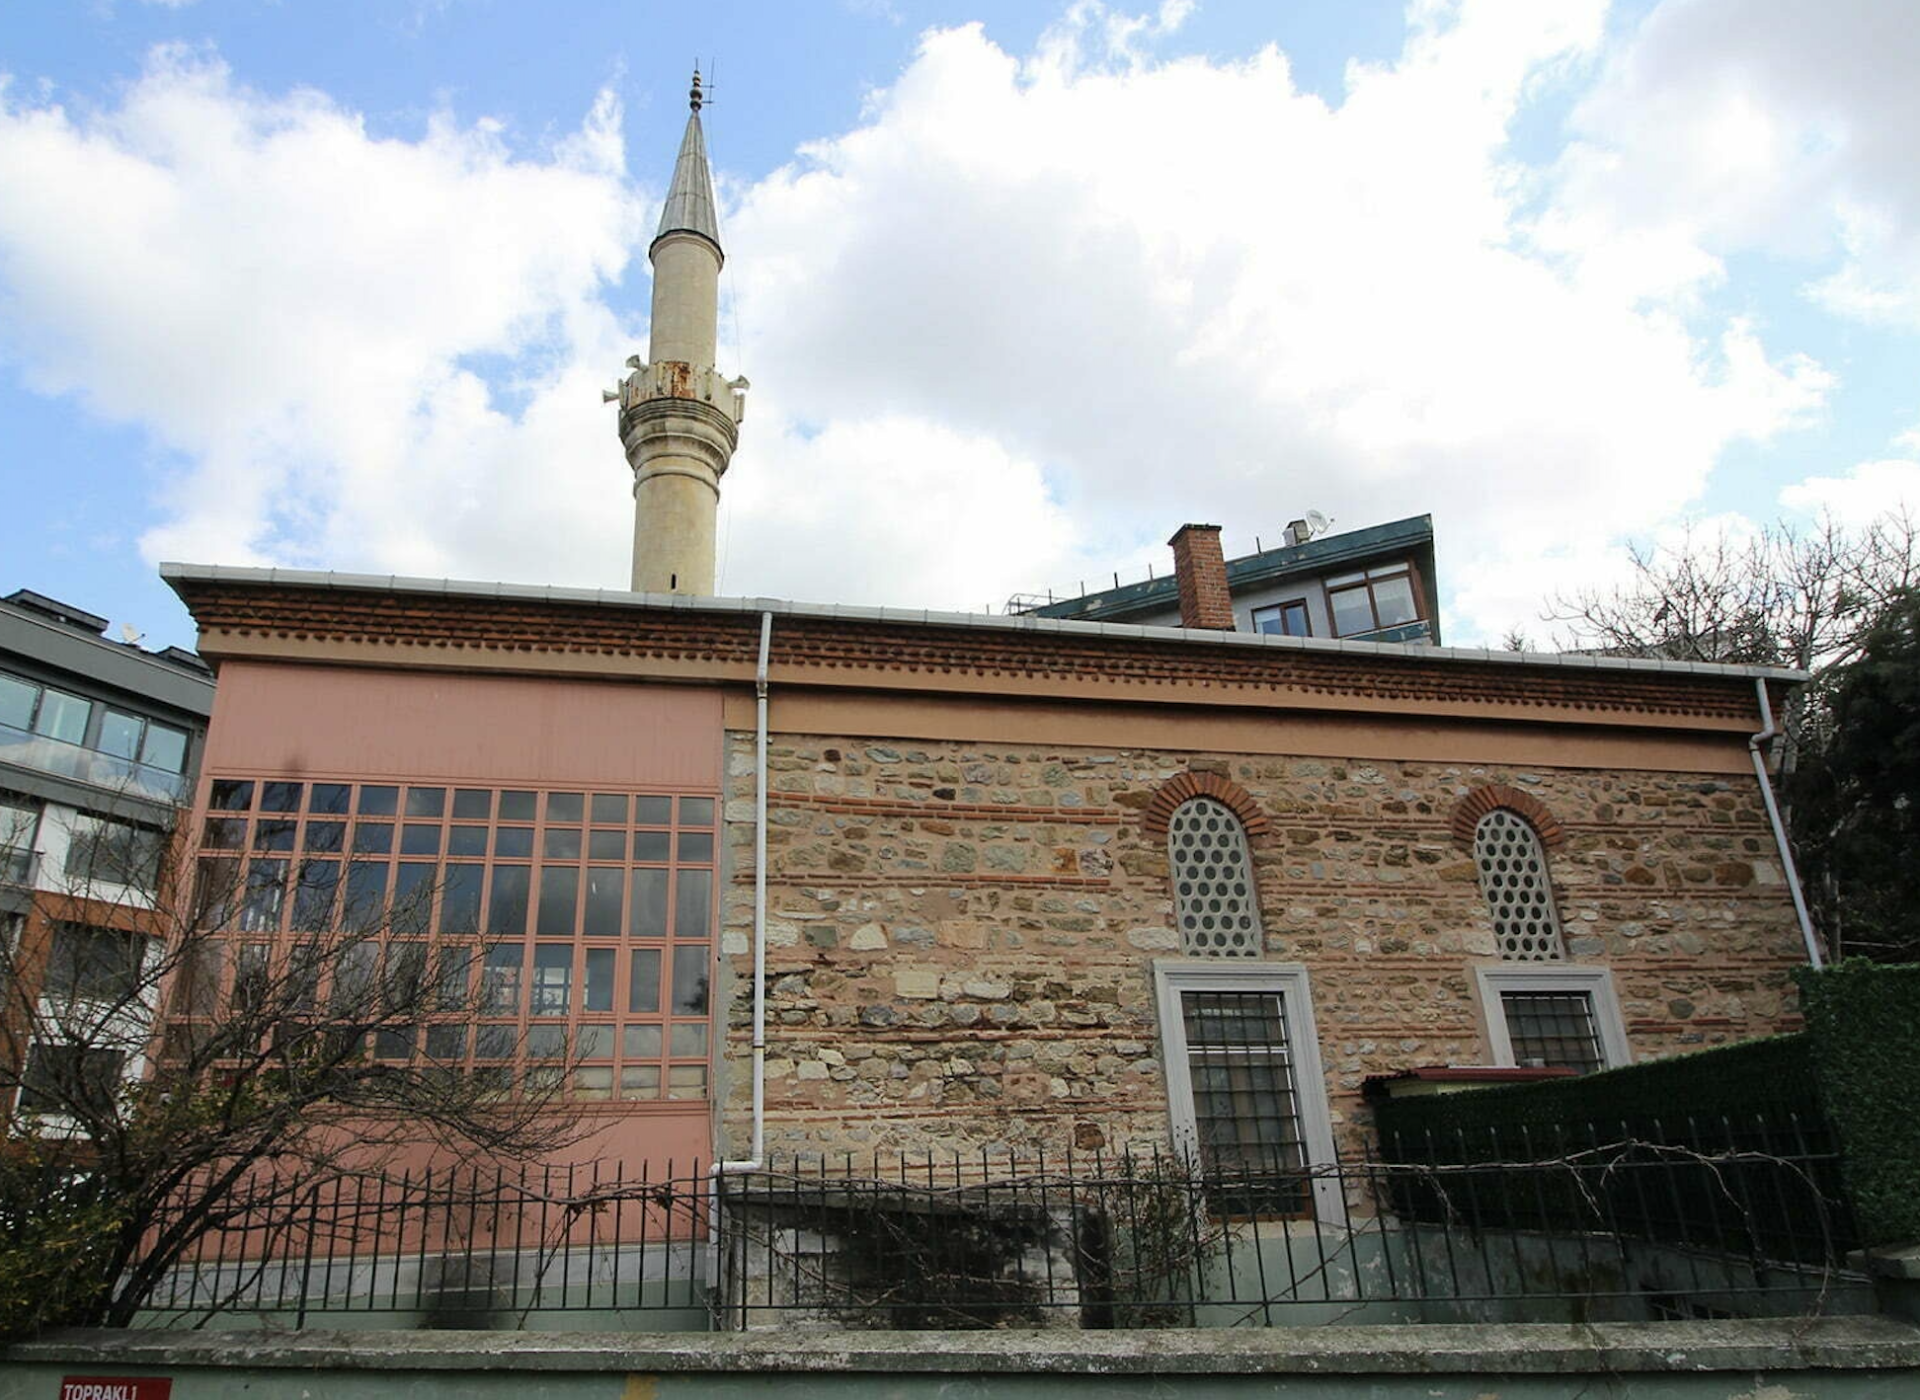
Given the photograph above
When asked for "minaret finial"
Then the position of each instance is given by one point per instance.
(694, 100)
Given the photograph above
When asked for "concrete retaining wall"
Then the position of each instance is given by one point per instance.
(1836, 1359)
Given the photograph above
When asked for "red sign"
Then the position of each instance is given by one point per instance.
(116, 1387)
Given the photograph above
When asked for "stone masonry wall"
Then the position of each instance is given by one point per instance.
(961, 936)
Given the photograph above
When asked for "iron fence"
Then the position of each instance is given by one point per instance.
(1604, 1230)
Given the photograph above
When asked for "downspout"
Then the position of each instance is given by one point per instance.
(756, 1147)
(1767, 733)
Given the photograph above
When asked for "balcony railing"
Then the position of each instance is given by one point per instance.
(105, 770)
(18, 867)
(1418, 631)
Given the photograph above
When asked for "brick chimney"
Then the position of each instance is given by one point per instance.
(1200, 570)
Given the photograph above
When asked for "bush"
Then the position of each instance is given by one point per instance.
(1863, 1020)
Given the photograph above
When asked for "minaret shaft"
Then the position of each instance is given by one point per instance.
(679, 420)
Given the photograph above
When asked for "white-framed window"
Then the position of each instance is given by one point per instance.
(1566, 1017)
(1245, 1088)
(1512, 865)
(1214, 903)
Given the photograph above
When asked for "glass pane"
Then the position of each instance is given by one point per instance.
(265, 892)
(686, 1081)
(407, 989)
(1268, 620)
(413, 897)
(446, 1042)
(552, 979)
(467, 841)
(426, 802)
(513, 842)
(516, 806)
(472, 804)
(507, 910)
(453, 977)
(561, 843)
(640, 1082)
(1351, 611)
(593, 1084)
(326, 836)
(648, 916)
(417, 839)
(224, 833)
(280, 797)
(696, 811)
(640, 1043)
(353, 973)
(372, 838)
(119, 734)
(500, 986)
(643, 981)
(313, 892)
(564, 806)
(652, 811)
(393, 1043)
(379, 801)
(692, 903)
(230, 795)
(1393, 601)
(273, 835)
(696, 846)
(559, 895)
(1554, 1029)
(366, 896)
(593, 1043)
(216, 891)
(62, 716)
(546, 1042)
(689, 1040)
(328, 799)
(607, 845)
(597, 995)
(690, 981)
(601, 918)
(652, 845)
(1293, 618)
(494, 1042)
(16, 702)
(166, 748)
(460, 899)
(610, 809)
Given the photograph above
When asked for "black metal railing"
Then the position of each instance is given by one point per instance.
(1621, 1229)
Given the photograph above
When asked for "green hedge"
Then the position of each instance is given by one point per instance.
(1768, 1086)
(1863, 1020)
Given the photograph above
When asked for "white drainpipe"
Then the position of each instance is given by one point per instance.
(1765, 735)
(756, 1149)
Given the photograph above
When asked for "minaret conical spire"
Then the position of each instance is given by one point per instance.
(690, 206)
(679, 417)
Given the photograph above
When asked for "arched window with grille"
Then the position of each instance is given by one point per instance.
(1213, 895)
(1513, 877)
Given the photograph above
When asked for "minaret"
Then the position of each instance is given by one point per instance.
(679, 420)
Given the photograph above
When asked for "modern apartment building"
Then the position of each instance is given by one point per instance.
(99, 741)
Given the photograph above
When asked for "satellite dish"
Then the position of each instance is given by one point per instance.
(130, 634)
(1317, 522)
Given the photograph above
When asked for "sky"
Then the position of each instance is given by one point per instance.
(1021, 287)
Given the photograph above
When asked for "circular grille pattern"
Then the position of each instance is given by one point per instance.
(1212, 880)
(1513, 877)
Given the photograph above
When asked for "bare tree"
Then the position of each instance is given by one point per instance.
(172, 1061)
(1784, 596)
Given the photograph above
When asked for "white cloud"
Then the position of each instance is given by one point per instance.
(292, 305)
(1867, 492)
(1029, 315)
(1189, 291)
(1729, 126)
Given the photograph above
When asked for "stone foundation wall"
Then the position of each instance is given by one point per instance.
(961, 936)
